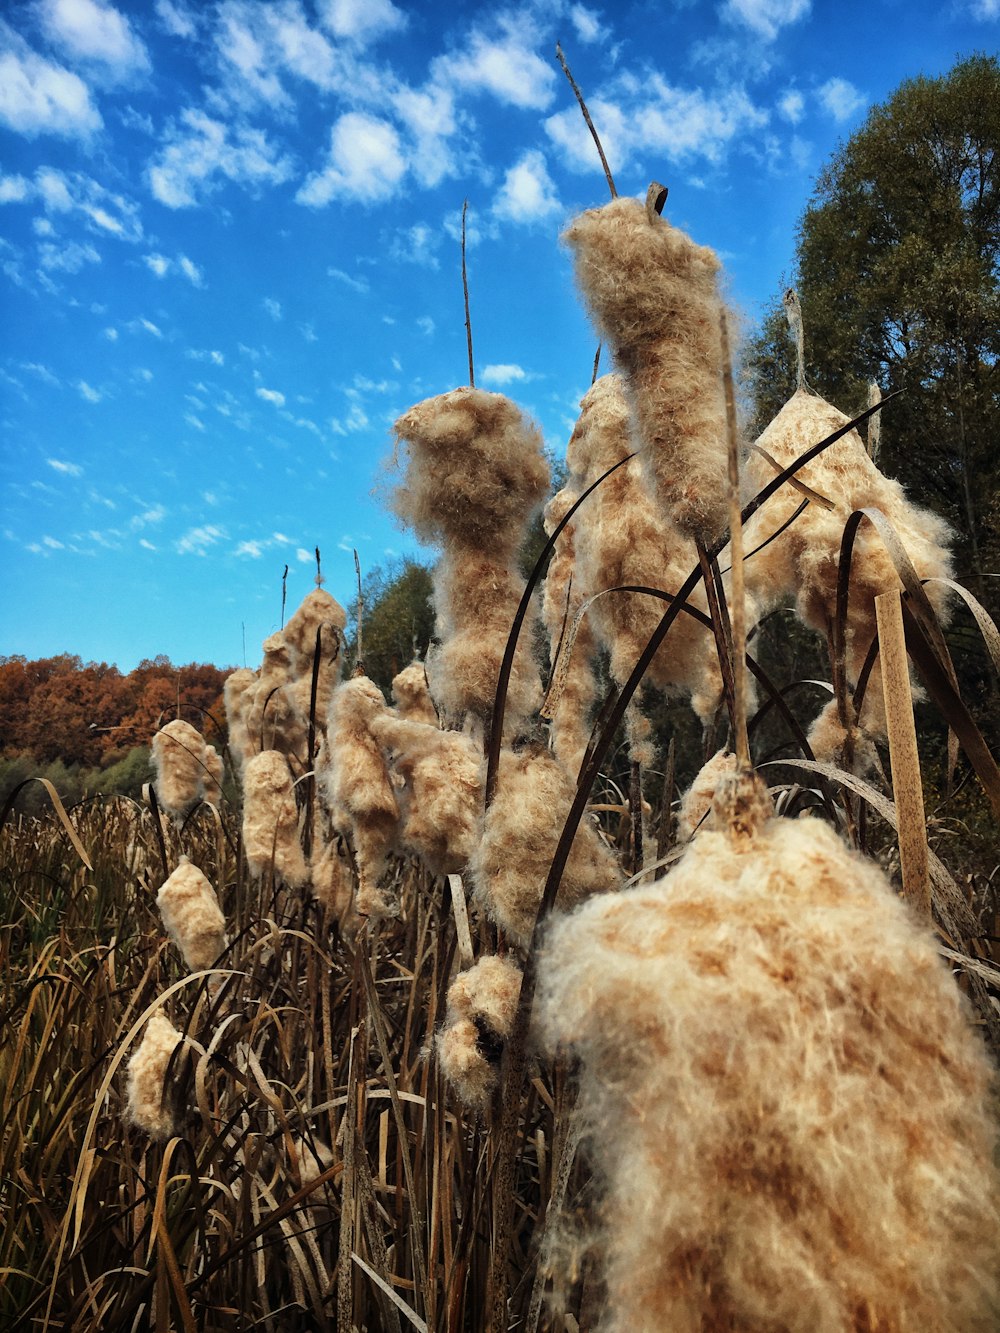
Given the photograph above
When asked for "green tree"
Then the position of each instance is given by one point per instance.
(397, 622)
(899, 278)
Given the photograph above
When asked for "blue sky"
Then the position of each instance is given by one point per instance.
(229, 254)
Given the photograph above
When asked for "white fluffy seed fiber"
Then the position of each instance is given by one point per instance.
(271, 820)
(147, 1099)
(178, 752)
(789, 1107)
(482, 1004)
(192, 916)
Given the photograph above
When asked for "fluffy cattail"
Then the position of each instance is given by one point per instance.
(482, 1003)
(520, 832)
(475, 471)
(192, 916)
(147, 1104)
(653, 295)
(318, 613)
(179, 757)
(238, 694)
(790, 1109)
(476, 599)
(804, 560)
(573, 689)
(697, 800)
(624, 539)
(412, 696)
(214, 773)
(271, 819)
(332, 880)
(441, 792)
(273, 720)
(359, 789)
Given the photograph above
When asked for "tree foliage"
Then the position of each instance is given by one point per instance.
(397, 621)
(899, 278)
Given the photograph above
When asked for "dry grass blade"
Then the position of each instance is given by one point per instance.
(57, 806)
(907, 787)
(393, 1296)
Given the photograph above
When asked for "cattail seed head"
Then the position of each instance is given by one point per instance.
(192, 916)
(147, 1099)
(271, 819)
(178, 752)
(482, 1004)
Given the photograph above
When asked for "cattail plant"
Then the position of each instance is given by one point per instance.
(789, 1108)
(178, 752)
(438, 778)
(653, 295)
(318, 613)
(519, 835)
(271, 820)
(192, 916)
(697, 800)
(148, 1099)
(572, 643)
(214, 774)
(474, 473)
(238, 694)
(274, 720)
(359, 789)
(803, 560)
(482, 1002)
(411, 695)
(624, 538)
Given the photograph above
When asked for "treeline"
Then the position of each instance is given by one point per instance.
(87, 726)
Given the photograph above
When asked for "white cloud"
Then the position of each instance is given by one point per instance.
(39, 97)
(111, 334)
(272, 307)
(199, 151)
(86, 391)
(54, 189)
(416, 245)
(986, 10)
(366, 163)
(765, 17)
(14, 189)
(253, 549)
(149, 327)
(194, 422)
(652, 116)
(209, 354)
(155, 514)
(197, 540)
(426, 325)
(158, 264)
(53, 544)
(355, 420)
(428, 116)
(586, 23)
(191, 271)
(70, 257)
(272, 396)
(61, 465)
(356, 284)
(527, 193)
(361, 20)
(502, 374)
(303, 556)
(508, 67)
(93, 31)
(840, 99)
(146, 545)
(177, 20)
(792, 106)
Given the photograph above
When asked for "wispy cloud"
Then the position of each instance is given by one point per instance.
(87, 392)
(840, 99)
(502, 374)
(272, 396)
(161, 266)
(272, 307)
(765, 17)
(96, 33)
(200, 153)
(528, 193)
(356, 284)
(64, 466)
(196, 541)
(38, 96)
(504, 65)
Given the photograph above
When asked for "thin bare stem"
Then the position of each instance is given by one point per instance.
(737, 610)
(284, 594)
(793, 313)
(597, 362)
(319, 572)
(358, 656)
(465, 293)
(586, 115)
